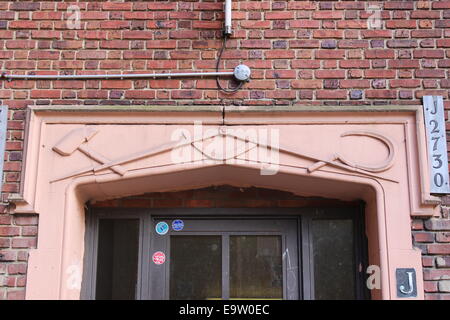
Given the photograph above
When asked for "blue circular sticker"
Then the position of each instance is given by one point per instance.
(162, 228)
(177, 225)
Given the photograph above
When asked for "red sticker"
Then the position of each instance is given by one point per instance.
(159, 257)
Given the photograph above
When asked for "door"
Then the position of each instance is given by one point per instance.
(225, 253)
(224, 259)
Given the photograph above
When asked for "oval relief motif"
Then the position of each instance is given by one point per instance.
(379, 167)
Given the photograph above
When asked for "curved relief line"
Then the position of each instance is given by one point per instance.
(223, 156)
(386, 164)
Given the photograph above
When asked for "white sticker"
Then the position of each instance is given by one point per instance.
(162, 228)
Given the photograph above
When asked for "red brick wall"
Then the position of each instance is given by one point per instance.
(300, 52)
(222, 197)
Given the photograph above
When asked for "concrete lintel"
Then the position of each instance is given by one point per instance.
(231, 109)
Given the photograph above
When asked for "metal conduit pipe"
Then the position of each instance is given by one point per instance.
(241, 73)
(227, 26)
(113, 76)
(237, 73)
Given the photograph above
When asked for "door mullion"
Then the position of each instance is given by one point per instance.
(307, 259)
(226, 267)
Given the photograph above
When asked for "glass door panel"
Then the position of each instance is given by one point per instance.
(117, 259)
(256, 267)
(226, 259)
(334, 259)
(195, 267)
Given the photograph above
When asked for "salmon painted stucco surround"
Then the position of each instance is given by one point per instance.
(376, 154)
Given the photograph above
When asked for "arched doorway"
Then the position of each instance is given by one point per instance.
(376, 156)
(225, 242)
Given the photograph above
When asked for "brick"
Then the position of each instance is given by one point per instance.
(279, 54)
(399, 5)
(47, 15)
(423, 237)
(331, 94)
(441, 5)
(349, 84)
(439, 249)
(16, 294)
(352, 24)
(430, 286)
(261, 84)
(401, 24)
(443, 43)
(94, 15)
(379, 54)
(139, 94)
(329, 54)
(279, 34)
(9, 231)
(17, 268)
(67, 44)
(381, 94)
(167, 203)
(280, 74)
(115, 44)
(45, 34)
(443, 262)
(430, 73)
(328, 34)
(161, 44)
(401, 43)
(350, 64)
(403, 64)
(425, 14)
(434, 274)
(260, 44)
(184, 34)
(330, 74)
(328, 14)
(444, 285)
(356, 94)
(405, 83)
(282, 15)
(20, 64)
(186, 94)
(304, 43)
(437, 224)
(349, 44)
(136, 34)
(372, 34)
(5, 219)
(207, 24)
(23, 242)
(24, 6)
(181, 55)
(426, 33)
(24, 25)
(427, 261)
(92, 34)
(116, 84)
(111, 6)
(434, 54)
(44, 55)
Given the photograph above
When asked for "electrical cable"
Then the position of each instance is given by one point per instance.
(219, 58)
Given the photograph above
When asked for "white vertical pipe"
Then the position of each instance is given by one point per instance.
(227, 27)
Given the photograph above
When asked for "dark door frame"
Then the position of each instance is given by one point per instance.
(285, 226)
(304, 216)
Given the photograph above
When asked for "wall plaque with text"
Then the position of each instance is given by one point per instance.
(433, 108)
